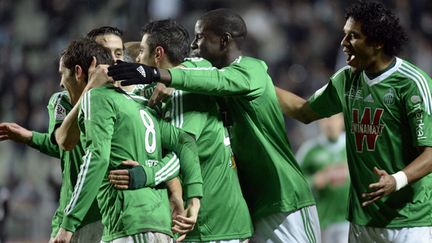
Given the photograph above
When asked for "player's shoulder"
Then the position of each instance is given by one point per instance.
(411, 71)
(59, 98)
(196, 62)
(342, 72)
(102, 92)
(250, 62)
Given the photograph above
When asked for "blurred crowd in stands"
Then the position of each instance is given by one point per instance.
(299, 40)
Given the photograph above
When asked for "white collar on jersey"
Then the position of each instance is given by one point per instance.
(384, 75)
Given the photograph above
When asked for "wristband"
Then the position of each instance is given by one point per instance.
(401, 179)
(137, 177)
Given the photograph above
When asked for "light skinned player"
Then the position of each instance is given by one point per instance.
(107, 114)
(62, 139)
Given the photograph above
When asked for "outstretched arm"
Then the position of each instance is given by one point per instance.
(295, 107)
(19, 134)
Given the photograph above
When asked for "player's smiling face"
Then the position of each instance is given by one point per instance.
(114, 43)
(145, 54)
(70, 82)
(361, 55)
(67, 78)
(206, 43)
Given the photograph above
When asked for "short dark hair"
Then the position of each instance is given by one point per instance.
(379, 25)
(104, 30)
(171, 36)
(224, 20)
(81, 52)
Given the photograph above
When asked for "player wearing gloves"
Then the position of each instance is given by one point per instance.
(277, 193)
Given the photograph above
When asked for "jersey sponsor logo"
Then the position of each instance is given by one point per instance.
(367, 128)
(419, 123)
(60, 113)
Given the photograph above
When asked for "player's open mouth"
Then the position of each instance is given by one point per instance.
(350, 58)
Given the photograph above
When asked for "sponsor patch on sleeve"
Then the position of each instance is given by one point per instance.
(60, 112)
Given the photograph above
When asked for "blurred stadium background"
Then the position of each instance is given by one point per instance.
(299, 40)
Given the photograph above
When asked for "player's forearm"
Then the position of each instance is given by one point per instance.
(167, 169)
(216, 82)
(175, 188)
(90, 177)
(189, 166)
(165, 77)
(67, 135)
(42, 142)
(295, 107)
(419, 167)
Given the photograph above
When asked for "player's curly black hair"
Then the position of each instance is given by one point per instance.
(379, 25)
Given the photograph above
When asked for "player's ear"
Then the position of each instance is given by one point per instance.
(225, 39)
(379, 46)
(79, 73)
(159, 54)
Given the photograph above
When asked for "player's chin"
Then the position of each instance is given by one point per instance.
(195, 53)
(355, 69)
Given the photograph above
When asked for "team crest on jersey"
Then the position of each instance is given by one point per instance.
(60, 112)
(415, 99)
(389, 97)
(367, 127)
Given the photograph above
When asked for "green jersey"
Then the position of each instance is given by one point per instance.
(224, 213)
(387, 118)
(70, 161)
(315, 155)
(114, 128)
(270, 177)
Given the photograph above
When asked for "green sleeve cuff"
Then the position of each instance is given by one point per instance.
(42, 142)
(70, 223)
(175, 77)
(37, 140)
(137, 177)
(193, 190)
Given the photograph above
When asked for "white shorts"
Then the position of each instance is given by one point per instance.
(360, 234)
(336, 233)
(147, 237)
(90, 233)
(301, 226)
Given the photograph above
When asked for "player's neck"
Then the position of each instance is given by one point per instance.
(231, 56)
(382, 67)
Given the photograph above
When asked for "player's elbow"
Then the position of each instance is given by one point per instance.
(68, 146)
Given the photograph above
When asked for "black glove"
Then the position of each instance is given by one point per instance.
(133, 73)
(137, 177)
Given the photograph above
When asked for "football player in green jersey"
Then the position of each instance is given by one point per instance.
(115, 127)
(386, 103)
(323, 159)
(224, 215)
(277, 193)
(62, 138)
